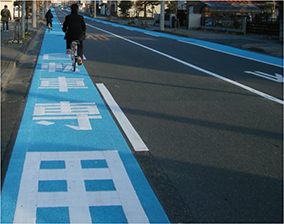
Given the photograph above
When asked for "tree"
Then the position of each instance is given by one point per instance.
(280, 7)
(142, 6)
(172, 7)
(125, 6)
(138, 7)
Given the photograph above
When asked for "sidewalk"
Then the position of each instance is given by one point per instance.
(251, 42)
(11, 53)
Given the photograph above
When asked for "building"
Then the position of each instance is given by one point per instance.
(225, 13)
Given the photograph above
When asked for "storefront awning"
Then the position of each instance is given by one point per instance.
(232, 6)
(227, 6)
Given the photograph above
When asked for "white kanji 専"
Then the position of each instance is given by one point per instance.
(64, 110)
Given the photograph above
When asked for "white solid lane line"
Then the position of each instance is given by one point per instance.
(272, 98)
(132, 135)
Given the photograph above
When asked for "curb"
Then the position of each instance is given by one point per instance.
(263, 48)
(5, 77)
(14, 63)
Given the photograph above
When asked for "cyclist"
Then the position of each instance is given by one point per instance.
(75, 28)
(49, 17)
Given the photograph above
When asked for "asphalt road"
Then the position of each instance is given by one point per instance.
(215, 148)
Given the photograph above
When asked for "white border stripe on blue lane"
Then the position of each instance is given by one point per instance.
(278, 62)
(212, 46)
(62, 138)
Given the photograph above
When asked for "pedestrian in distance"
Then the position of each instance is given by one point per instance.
(5, 17)
(49, 17)
(74, 28)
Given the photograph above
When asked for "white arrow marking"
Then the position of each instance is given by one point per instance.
(45, 123)
(279, 77)
(83, 122)
(275, 78)
(199, 68)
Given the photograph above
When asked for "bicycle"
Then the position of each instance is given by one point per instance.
(74, 53)
(49, 27)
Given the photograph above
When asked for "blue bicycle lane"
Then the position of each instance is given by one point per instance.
(70, 162)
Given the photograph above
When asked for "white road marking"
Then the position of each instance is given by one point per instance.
(275, 78)
(52, 67)
(62, 83)
(45, 123)
(83, 123)
(128, 28)
(65, 110)
(56, 56)
(225, 52)
(151, 34)
(197, 68)
(76, 198)
(125, 124)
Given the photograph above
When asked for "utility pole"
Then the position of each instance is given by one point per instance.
(34, 13)
(95, 9)
(43, 5)
(45, 9)
(108, 8)
(23, 18)
(162, 15)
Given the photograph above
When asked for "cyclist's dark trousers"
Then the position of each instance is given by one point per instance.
(80, 47)
(49, 23)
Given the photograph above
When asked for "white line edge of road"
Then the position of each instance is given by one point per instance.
(151, 34)
(199, 45)
(132, 135)
(272, 98)
(240, 56)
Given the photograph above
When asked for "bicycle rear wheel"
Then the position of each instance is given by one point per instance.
(74, 61)
(74, 53)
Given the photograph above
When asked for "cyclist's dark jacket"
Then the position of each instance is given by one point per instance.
(48, 16)
(74, 26)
